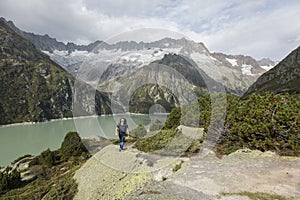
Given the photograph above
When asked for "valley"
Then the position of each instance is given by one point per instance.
(203, 124)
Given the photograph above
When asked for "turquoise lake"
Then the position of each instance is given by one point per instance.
(21, 139)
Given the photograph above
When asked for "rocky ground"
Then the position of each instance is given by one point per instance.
(130, 174)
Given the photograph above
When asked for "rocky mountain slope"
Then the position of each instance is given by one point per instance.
(170, 82)
(237, 72)
(284, 77)
(33, 87)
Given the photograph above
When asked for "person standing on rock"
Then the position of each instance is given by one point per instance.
(122, 131)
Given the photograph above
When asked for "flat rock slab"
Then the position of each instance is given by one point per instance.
(244, 170)
(131, 174)
(111, 174)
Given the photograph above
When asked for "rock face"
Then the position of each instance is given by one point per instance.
(284, 77)
(33, 87)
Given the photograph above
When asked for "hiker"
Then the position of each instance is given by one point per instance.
(122, 131)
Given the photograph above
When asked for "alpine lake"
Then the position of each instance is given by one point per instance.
(20, 139)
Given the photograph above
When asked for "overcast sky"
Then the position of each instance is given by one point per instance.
(259, 28)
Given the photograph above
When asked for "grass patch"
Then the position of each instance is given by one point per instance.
(257, 195)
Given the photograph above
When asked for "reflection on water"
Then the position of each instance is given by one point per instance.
(19, 140)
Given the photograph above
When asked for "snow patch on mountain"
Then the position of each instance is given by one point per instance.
(139, 58)
(145, 56)
(233, 62)
(213, 58)
(246, 70)
(267, 67)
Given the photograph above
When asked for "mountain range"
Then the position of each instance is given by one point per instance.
(236, 72)
(39, 75)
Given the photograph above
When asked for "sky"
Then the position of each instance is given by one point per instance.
(259, 28)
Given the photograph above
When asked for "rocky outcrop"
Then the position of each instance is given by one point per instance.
(111, 174)
(131, 174)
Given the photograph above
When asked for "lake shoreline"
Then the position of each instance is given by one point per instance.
(81, 117)
(32, 138)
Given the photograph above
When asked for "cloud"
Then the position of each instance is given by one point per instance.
(258, 28)
(75, 20)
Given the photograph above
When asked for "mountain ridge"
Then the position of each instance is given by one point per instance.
(238, 71)
(284, 77)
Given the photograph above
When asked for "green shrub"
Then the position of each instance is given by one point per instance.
(173, 120)
(157, 125)
(197, 113)
(263, 122)
(139, 131)
(47, 157)
(157, 141)
(9, 180)
(71, 146)
(66, 188)
(58, 185)
(166, 142)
